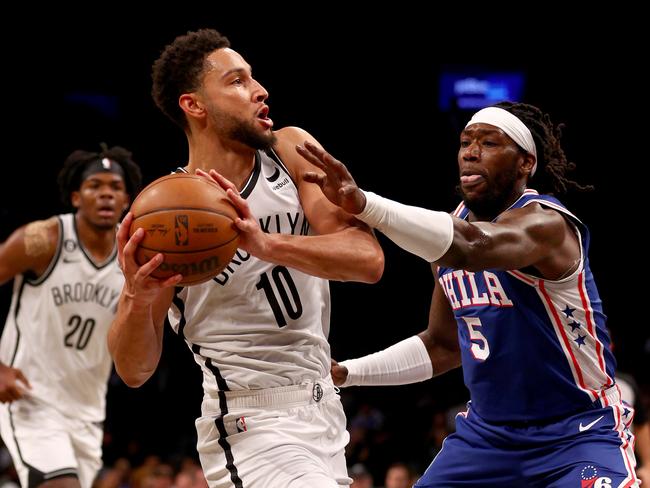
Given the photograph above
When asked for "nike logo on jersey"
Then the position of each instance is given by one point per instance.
(68, 260)
(274, 176)
(582, 428)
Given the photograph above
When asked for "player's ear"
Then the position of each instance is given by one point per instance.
(528, 164)
(191, 105)
(75, 199)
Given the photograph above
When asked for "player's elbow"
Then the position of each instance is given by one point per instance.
(373, 268)
(377, 269)
(133, 379)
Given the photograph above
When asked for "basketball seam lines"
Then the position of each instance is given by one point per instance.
(189, 251)
(166, 209)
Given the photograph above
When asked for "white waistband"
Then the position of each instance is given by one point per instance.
(282, 396)
(610, 396)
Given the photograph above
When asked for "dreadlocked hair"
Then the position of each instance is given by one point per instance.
(69, 178)
(552, 163)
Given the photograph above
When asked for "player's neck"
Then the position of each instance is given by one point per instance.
(235, 161)
(98, 242)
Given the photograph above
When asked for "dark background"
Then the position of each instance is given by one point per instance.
(366, 87)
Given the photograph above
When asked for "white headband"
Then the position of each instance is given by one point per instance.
(511, 125)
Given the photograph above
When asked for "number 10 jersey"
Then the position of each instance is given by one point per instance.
(259, 325)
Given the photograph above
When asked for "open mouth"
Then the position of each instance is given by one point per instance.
(471, 180)
(263, 117)
(106, 211)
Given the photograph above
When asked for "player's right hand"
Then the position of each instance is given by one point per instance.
(339, 373)
(13, 384)
(138, 284)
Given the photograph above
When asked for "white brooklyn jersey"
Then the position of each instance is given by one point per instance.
(56, 328)
(257, 324)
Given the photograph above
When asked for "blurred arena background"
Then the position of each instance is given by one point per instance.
(378, 92)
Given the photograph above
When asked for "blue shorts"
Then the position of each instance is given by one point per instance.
(591, 449)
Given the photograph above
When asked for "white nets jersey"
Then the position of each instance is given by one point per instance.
(56, 328)
(257, 324)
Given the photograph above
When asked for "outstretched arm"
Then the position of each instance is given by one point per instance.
(135, 336)
(418, 358)
(528, 236)
(343, 248)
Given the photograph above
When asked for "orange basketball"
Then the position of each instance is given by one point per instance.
(191, 221)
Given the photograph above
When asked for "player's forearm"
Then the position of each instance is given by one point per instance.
(400, 364)
(135, 343)
(443, 351)
(352, 254)
(425, 233)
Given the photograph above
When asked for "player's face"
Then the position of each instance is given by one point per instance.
(101, 199)
(235, 101)
(490, 175)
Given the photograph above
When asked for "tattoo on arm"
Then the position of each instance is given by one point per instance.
(37, 238)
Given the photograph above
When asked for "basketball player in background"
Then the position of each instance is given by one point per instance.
(517, 305)
(270, 416)
(54, 363)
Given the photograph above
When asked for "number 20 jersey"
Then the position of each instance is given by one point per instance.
(56, 328)
(257, 324)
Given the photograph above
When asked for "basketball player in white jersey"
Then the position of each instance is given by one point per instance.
(270, 416)
(54, 363)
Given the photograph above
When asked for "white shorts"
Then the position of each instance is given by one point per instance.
(45, 444)
(287, 437)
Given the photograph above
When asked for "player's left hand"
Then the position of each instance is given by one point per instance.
(337, 183)
(13, 384)
(252, 239)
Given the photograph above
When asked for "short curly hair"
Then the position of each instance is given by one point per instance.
(69, 178)
(178, 70)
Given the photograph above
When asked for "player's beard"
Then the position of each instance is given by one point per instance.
(496, 198)
(240, 130)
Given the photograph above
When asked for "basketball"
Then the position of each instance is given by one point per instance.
(190, 220)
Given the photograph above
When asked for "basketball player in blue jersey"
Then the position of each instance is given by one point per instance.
(516, 305)
(54, 363)
(271, 416)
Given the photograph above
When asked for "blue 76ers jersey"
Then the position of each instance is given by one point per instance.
(531, 348)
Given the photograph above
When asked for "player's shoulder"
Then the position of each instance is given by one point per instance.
(41, 236)
(30, 247)
(292, 135)
(286, 140)
(534, 213)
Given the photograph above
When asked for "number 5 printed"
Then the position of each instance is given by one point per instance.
(480, 347)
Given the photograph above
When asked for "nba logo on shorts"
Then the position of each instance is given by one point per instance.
(589, 478)
(317, 392)
(181, 230)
